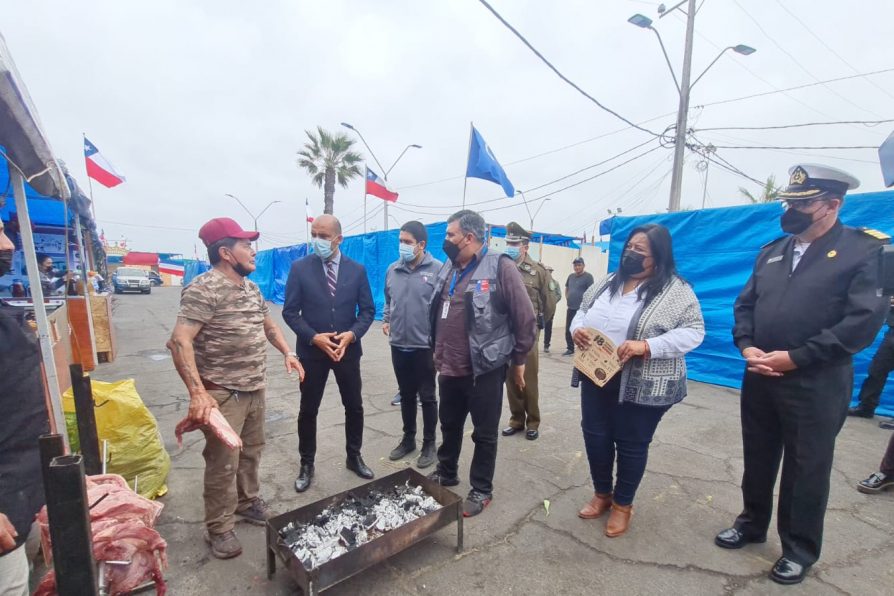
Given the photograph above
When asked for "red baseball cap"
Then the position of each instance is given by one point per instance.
(223, 227)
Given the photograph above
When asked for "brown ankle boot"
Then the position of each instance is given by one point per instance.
(598, 505)
(618, 520)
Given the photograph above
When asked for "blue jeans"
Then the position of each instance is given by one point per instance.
(616, 432)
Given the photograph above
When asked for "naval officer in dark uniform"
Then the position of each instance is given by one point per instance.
(813, 300)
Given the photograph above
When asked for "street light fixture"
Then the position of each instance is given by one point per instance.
(381, 168)
(254, 217)
(684, 87)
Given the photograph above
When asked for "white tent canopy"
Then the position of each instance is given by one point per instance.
(30, 158)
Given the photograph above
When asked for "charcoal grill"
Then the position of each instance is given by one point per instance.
(366, 555)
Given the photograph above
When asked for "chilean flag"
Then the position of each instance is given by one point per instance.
(376, 187)
(310, 218)
(99, 168)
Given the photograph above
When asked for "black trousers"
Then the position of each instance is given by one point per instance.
(316, 373)
(569, 342)
(415, 372)
(483, 399)
(882, 364)
(547, 333)
(793, 419)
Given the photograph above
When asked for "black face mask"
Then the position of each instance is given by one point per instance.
(5, 261)
(451, 250)
(795, 222)
(632, 263)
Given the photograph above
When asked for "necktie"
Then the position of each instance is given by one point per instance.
(330, 277)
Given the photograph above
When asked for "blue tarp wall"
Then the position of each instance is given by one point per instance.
(715, 250)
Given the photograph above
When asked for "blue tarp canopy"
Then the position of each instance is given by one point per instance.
(44, 210)
(715, 250)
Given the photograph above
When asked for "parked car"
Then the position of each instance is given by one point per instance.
(131, 279)
(155, 279)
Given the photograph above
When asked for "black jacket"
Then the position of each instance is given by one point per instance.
(310, 309)
(24, 419)
(825, 311)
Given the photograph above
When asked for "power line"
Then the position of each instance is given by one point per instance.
(868, 123)
(559, 74)
(807, 148)
(795, 88)
(494, 200)
(728, 137)
(795, 60)
(828, 47)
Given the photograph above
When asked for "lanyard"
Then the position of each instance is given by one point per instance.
(465, 272)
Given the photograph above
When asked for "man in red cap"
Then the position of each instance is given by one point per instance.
(219, 346)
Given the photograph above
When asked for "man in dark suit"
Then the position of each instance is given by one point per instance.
(329, 306)
(811, 303)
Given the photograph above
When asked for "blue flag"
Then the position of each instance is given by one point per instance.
(483, 164)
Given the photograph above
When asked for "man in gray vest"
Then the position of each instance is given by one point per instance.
(482, 323)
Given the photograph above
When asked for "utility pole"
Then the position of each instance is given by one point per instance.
(682, 112)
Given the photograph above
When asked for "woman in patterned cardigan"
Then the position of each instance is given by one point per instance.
(654, 318)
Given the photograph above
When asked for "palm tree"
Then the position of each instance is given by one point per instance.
(328, 157)
(769, 193)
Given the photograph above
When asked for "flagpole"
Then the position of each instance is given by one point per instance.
(468, 150)
(364, 199)
(89, 179)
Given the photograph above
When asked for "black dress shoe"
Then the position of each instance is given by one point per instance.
(886, 424)
(860, 412)
(510, 430)
(532, 434)
(443, 480)
(786, 571)
(355, 464)
(735, 538)
(876, 483)
(568, 352)
(305, 474)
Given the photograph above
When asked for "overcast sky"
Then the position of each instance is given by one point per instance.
(192, 100)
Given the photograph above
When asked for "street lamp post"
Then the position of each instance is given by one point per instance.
(254, 217)
(533, 217)
(684, 87)
(381, 167)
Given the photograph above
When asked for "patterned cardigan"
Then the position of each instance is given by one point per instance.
(655, 381)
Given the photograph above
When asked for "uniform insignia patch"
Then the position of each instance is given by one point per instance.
(877, 234)
(832, 254)
(774, 259)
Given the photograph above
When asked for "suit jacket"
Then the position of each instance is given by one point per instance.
(310, 309)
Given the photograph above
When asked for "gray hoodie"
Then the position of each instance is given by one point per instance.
(407, 295)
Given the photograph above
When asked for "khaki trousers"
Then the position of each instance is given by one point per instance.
(231, 476)
(525, 405)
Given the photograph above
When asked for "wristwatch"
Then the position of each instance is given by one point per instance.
(293, 354)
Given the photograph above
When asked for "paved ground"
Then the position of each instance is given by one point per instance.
(690, 491)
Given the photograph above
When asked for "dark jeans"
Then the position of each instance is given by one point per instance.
(547, 333)
(882, 363)
(483, 399)
(415, 372)
(316, 373)
(569, 342)
(616, 432)
(887, 467)
(792, 420)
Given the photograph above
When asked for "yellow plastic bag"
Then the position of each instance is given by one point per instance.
(135, 447)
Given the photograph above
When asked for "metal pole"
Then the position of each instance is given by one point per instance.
(88, 438)
(69, 518)
(40, 310)
(682, 113)
(705, 190)
(51, 446)
(468, 151)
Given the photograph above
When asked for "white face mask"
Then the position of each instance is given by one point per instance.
(407, 252)
(322, 247)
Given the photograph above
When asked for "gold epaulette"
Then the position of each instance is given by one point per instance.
(877, 234)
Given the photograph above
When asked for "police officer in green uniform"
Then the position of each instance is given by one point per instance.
(524, 403)
(814, 300)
